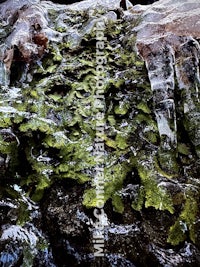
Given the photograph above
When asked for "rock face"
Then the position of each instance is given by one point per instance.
(49, 116)
(167, 39)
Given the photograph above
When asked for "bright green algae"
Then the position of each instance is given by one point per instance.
(53, 126)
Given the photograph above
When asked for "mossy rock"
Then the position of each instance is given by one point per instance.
(52, 113)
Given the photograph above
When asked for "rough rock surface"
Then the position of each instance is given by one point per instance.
(48, 118)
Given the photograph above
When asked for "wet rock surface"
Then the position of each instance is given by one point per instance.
(48, 118)
(132, 239)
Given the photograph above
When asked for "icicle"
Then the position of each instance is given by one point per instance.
(161, 76)
(4, 72)
(4, 81)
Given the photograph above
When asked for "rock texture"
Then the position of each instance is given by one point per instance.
(48, 120)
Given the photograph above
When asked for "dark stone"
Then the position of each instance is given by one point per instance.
(127, 242)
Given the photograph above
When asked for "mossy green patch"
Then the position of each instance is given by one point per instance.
(183, 149)
(138, 202)
(185, 223)
(155, 194)
(143, 106)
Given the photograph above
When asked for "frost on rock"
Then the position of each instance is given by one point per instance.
(15, 232)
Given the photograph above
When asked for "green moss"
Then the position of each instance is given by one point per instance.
(121, 141)
(117, 83)
(147, 119)
(51, 69)
(151, 137)
(168, 161)
(56, 140)
(143, 106)
(113, 180)
(118, 204)
(177, 233)
(185, 223)
(34, 94)
(157, 197)
(152, 193)
(122, 109)
(90, 198)
(161, 171)
(57, 57)
(23, 213)
(111, 143)
(183, 149)
(5, 121)
(138, 202)
(46, 126)
(111, 120)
